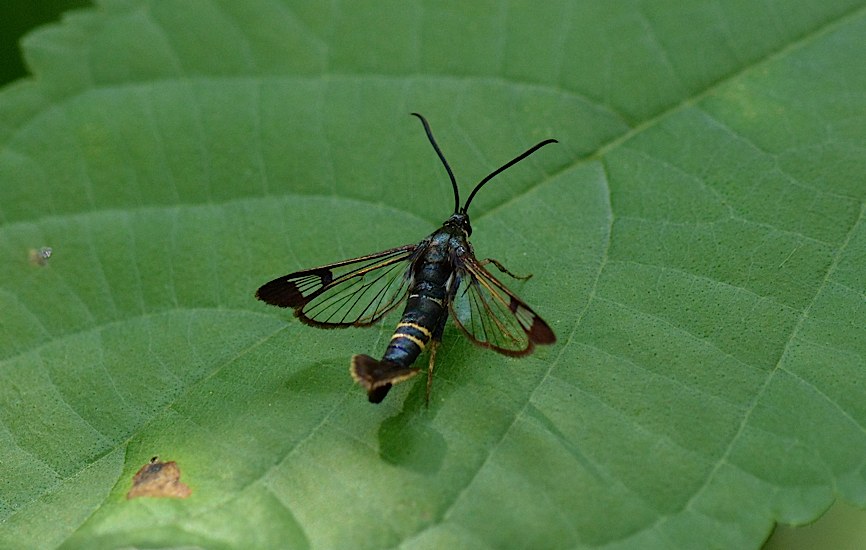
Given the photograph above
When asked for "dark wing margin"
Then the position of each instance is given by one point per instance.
(492, 316)
(356, 292)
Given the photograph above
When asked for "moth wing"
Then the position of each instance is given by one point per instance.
(494, 317)
(355, 292)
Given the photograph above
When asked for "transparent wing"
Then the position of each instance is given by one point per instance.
(492, 316)
(354, 292)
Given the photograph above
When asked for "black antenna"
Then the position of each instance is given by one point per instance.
(444, 162)
(504, 167)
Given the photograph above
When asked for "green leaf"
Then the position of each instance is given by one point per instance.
(697, 243)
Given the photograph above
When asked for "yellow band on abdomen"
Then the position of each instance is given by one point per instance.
(417, 341)
(419, 328)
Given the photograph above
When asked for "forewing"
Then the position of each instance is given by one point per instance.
(492, 316)
(354, 292)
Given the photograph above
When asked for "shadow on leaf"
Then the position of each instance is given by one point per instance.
(407, 440)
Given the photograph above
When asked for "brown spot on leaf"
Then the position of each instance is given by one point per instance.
(39, 257)
(158, 479)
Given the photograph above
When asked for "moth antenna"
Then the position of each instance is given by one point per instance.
(504, 167)
(444, 162)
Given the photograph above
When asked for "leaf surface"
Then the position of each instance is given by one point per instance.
(697, 242)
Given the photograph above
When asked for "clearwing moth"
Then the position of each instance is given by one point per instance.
(436, 276)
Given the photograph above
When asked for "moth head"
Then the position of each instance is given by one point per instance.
(460, 221)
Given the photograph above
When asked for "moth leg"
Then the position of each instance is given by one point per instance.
(435, 339)
(503, 269)
(433, 345)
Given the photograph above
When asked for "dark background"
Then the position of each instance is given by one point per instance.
(17, 17)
